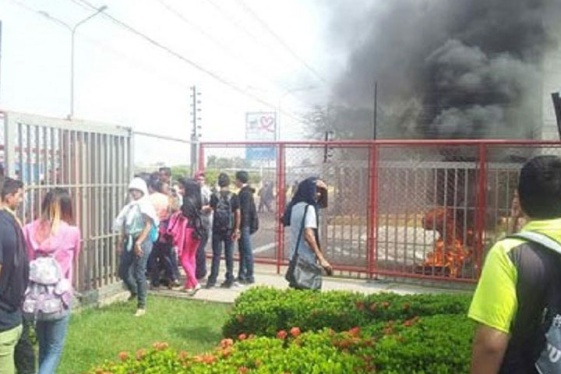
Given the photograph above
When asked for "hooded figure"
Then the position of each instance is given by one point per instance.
(301, 215)
(129, 220)
(307, 192)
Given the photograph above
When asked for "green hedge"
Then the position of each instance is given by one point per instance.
(264, 311)
(436, 344)
(288, 331)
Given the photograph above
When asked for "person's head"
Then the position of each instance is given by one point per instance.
(192, 200)
(539, 187)
(200, 177)
(165, 174)
(242, 177)
(223, 180)
(138, 189)
(12, 193)
(56, 207)
(154, 184)
(311, 191)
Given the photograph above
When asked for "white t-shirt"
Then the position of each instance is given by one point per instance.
(310, 221)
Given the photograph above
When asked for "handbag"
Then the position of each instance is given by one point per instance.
(302, 274)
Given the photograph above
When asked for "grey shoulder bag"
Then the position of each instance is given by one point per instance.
(301, 274)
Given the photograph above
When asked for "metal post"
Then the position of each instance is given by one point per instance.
(375, 135)
(73, 36)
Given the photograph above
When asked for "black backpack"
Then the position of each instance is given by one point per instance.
(223, 216)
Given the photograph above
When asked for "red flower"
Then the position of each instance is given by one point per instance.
(123, 356)
(355, 331)
(243, 370)
(359, 305)
(295, 331)
(160, 346)
(224, 343)
(140, 354)
(385, 304)
(242, 336)
(282, 334)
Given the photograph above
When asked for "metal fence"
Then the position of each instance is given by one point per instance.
(416, 209)
(93, 161)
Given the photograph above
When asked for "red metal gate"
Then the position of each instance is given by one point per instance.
(416, 209)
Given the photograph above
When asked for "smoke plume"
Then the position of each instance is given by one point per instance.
(447, 69)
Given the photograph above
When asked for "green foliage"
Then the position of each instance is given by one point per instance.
(384, 348)
(98, 334)
(258, 311)
(288, 331)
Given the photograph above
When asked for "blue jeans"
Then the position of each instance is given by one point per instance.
(217, 240)
(246, 256)
(51, 336)
(135, 280)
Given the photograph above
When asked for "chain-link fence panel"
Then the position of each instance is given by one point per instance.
(344, 223)
(425, 211)
(261, 162)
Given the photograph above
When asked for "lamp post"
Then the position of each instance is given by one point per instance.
(72, 30)
(286, 93)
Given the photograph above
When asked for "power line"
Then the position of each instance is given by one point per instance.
(139, 64)
(185, 59)
(222, 45)
(280, 41)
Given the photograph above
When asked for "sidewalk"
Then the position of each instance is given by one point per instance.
(265, 275)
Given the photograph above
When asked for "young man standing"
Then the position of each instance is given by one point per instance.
(14, 273)
(225, 229)
(247, 212)
(518, 297)
(206, 217)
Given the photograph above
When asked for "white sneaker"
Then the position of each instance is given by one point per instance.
(140, 312)
(195, 290)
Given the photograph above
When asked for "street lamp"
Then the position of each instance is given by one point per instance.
(72, 30)
(286, 93)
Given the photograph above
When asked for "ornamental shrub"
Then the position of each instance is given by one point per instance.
(264, 311)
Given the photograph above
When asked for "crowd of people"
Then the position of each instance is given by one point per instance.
(165, 225)
(168, 223)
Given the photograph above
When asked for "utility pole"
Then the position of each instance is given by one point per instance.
(375, 135)
(196, 129)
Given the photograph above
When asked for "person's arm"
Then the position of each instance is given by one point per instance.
(489, 347)
(310, 238)
(143, 235)
(236, 233)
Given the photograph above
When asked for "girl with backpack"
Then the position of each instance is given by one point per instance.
(52, 241)
(187, 229)
(138, 226)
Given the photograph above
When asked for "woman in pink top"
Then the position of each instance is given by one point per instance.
(54, 235)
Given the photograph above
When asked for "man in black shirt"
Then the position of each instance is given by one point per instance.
(247, 211)
(14, 273)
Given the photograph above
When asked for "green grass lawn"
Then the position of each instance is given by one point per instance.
(97, 335)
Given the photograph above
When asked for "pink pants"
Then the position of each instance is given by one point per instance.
(188, 261)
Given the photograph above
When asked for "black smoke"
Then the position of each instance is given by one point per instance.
(447, 68)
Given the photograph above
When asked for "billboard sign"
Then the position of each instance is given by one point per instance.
(260, 126)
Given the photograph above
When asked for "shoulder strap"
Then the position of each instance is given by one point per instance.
(539, 238)
(301, 230)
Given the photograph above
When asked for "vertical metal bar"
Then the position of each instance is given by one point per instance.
(10, 141)
(281, 203)
(372, 212)
(481, 201)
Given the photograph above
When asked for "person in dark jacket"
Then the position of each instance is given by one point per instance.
(247, 212)
(14, 273)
